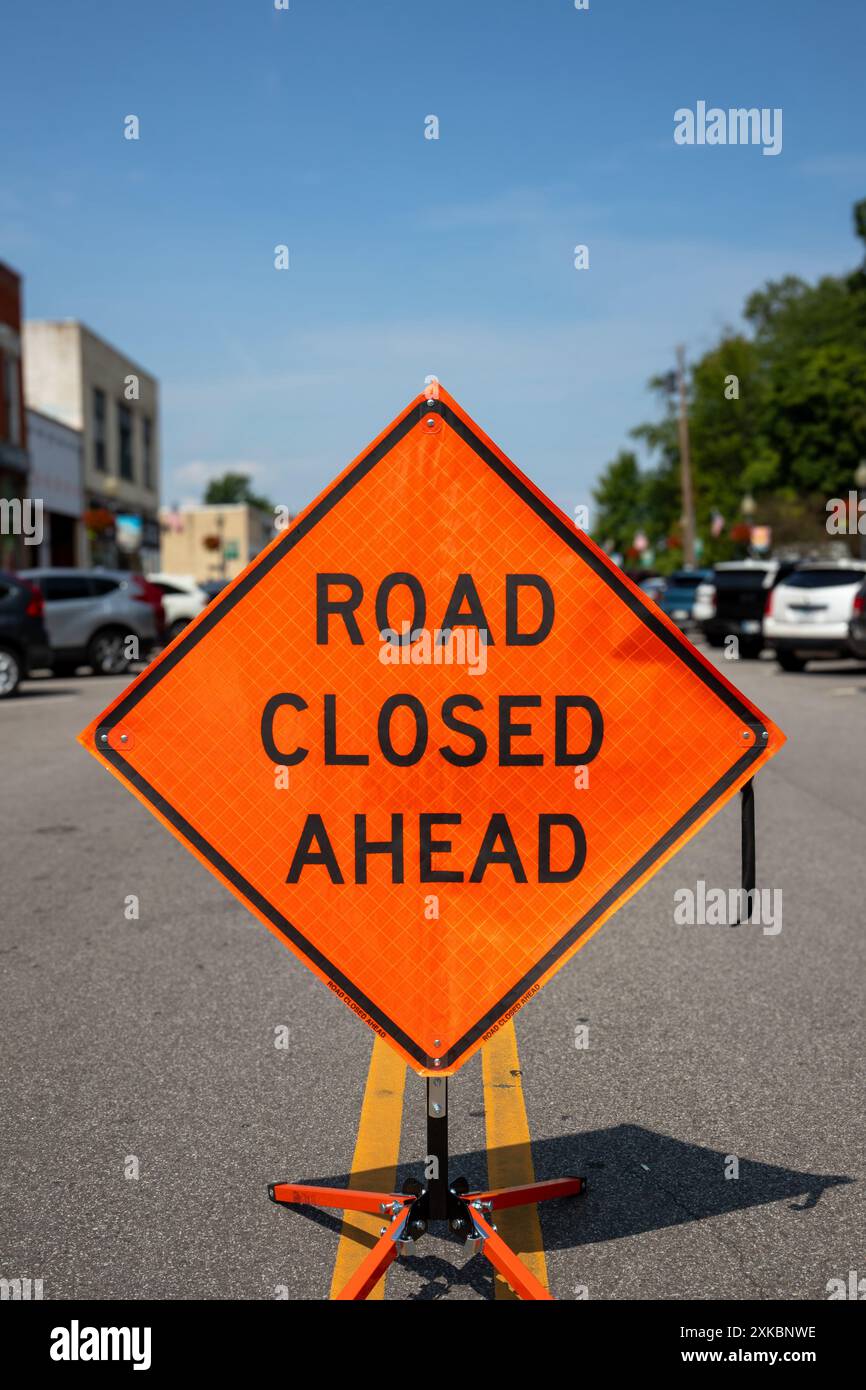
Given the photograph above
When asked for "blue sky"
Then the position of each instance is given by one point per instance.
(409, 256)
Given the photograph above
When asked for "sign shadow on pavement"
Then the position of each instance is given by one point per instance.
(677, 1182)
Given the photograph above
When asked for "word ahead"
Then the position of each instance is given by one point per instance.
(497, 847)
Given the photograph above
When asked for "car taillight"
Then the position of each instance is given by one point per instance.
(859, 603)
(768, 606)
(35, 602)
(148, 593)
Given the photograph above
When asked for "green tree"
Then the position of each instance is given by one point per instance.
(618, 498)
(234, 488)
(812, 341)
(778, 412)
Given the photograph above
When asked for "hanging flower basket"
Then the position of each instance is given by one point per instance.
(98, 520)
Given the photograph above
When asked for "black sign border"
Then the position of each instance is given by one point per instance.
(223, 605)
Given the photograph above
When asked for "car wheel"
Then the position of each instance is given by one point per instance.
(106, 653)
(750, 651)
(10, 672)
(789, 661)
(716, 641)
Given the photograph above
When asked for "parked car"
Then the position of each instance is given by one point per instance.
(704, 606)
(735, 605)
(677, 599)
(90, 614)
(653, 587)
(808, 615)
(857, 625)
(212, 587)
(23, 639)
(182, 598)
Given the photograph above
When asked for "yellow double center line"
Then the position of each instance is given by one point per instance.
(509, 1155)
(374, 1164)
(509, 1152)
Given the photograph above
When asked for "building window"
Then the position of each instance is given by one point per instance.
(63, 588)
(99, 457)
(147, 449)
(124, 440)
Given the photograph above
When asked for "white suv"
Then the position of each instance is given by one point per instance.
(808, 614)
(183, 598)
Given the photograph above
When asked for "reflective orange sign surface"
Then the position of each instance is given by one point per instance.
(432, 821)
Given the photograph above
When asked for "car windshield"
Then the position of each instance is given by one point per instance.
(685, 581)
(740, 579)
(823, 579)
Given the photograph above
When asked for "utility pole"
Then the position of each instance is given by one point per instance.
(685, 464)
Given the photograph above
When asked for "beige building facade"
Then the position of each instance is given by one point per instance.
(74, 376)
(212, 541)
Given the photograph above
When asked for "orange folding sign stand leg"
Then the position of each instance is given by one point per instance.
(468, 1214)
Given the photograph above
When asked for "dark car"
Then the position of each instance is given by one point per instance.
(653, 586)
(23, 639)
(677, 598)
(741, 589)
(857, 625)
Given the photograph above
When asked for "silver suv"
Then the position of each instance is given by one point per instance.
(90, 615)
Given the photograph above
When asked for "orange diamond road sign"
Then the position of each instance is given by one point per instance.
(432, 737)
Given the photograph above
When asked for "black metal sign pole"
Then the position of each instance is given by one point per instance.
(437, 1146)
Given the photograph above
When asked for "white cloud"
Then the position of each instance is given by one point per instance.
(198, 473)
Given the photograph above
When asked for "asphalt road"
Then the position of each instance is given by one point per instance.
(153, 1040)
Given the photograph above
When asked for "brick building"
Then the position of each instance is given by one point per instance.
(13, 422)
